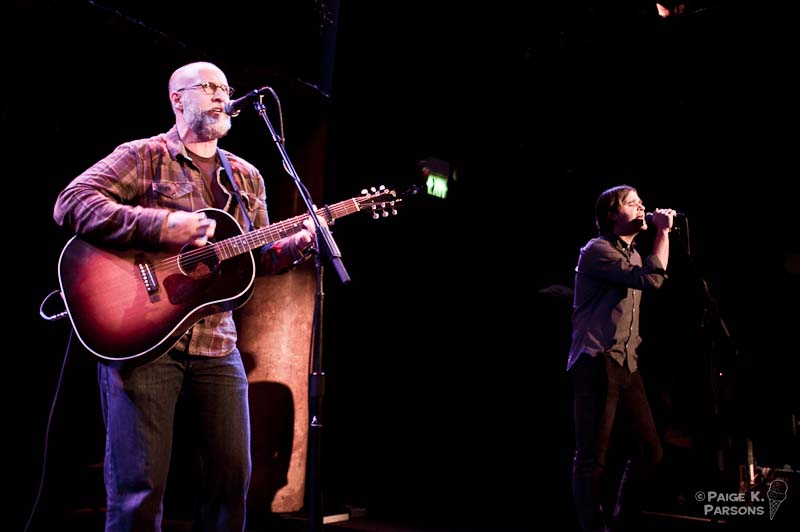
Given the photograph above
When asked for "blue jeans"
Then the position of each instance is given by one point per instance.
(604, 389)
(139, 409)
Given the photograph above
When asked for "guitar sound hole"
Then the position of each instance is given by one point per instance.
(198, 263)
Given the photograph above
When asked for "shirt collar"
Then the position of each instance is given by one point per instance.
(624, 247)
(177, 150)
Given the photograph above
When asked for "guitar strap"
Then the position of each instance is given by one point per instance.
(227, 166)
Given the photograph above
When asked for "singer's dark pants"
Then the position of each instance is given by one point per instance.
(139, 411)
(603, 389)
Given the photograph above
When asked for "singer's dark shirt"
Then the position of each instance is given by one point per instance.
(609, 280)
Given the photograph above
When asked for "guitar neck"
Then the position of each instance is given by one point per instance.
(231, 247)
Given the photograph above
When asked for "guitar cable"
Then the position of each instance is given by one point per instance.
(48, 427)
(51, 317)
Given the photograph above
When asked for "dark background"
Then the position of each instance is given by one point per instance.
(447, 398)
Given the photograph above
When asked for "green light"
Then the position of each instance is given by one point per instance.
(437, 185)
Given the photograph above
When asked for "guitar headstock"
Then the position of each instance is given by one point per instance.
(382, 201)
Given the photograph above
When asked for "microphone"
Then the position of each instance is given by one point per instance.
(648, 217)
(234, 107)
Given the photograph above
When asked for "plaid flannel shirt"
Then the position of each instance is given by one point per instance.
(124, 198)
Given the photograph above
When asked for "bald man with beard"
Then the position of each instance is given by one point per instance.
(146, 194)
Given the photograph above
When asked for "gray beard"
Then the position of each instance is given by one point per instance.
(205, 125)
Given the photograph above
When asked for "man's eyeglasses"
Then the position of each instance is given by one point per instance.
(209, 87)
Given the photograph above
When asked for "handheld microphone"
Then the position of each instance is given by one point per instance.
(234, 107)
(648, 217)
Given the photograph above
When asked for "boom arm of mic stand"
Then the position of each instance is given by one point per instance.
(329, 247)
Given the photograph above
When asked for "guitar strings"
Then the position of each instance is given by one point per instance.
(222, 250)
(233, 246)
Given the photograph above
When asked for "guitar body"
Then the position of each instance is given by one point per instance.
(131, 304)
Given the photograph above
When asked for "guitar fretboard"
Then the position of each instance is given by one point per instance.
(231, 247)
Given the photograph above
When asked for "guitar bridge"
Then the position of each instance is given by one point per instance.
(148, 277)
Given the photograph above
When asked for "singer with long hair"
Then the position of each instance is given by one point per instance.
(603, 360)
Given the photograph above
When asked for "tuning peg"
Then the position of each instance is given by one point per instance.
(365, 191)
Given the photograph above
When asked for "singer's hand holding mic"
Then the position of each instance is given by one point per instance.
(662, 218)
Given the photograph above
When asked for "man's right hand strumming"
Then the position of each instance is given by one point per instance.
(183, 227)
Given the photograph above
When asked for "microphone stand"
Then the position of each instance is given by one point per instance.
(712, 314)
(327, 249)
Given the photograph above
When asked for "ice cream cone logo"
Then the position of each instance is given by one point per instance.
(776, 494)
